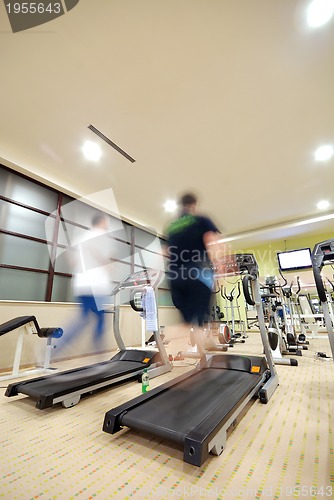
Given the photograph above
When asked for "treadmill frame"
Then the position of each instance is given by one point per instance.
(71, 398)
(323, 253)
(211, 433)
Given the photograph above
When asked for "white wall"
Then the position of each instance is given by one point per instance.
(62, 315)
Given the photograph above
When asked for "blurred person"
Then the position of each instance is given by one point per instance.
(90, 259)
(193, 253)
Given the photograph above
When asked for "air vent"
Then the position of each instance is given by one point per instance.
(112, 144)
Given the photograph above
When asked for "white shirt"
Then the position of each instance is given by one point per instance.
(92, 262)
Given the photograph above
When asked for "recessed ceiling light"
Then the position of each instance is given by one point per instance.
(324, 153)
(322, 205)
(319, 12)
(170, 206)
(92, 151)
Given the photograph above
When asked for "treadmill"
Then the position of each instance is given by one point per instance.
(323, 253)
(68, 386)
(198, 409)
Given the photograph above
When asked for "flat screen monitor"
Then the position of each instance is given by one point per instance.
(294, 259)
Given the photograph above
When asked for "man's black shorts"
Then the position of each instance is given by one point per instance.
(192, 298)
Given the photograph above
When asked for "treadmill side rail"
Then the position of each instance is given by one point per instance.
(211, 435)
(198, 446)
(268, 389)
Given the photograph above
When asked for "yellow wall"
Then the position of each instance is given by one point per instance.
(266, 257)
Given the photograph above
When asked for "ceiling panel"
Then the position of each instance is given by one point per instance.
(229, 99)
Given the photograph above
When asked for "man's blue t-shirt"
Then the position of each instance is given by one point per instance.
(187, 253)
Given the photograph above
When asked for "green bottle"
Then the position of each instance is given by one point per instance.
(145, 381)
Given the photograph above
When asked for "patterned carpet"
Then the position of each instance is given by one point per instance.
(280, 450)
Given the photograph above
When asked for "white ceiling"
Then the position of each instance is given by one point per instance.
(227, 98)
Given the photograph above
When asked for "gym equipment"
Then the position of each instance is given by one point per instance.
(312, 320)
(215, 327)
(229, 299)
(324, 253)
(276, 338)
(207, 343)
(216, 315)
(289, 325)
(198, 409)
(224, 335)
(301, 339)
(67, 387)
(330, 299)
(251, 317)
(28, 325)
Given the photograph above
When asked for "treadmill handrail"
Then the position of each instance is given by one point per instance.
(322, 252)
(152, 278)
(245, 286)
(132, 300)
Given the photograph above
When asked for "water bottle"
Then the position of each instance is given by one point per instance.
(145, 381)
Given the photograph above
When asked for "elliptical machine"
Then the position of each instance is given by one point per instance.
(277, 341)
(289, 321)
(235, 337)
(301, 338)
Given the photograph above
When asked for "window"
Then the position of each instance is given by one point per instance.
(37, 225)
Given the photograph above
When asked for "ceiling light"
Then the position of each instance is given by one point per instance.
(319, 12)
(92, 151)
(324, 153)
(170, 206)
(322, 205)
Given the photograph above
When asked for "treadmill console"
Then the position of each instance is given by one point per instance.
(322, 253)
(239, 263)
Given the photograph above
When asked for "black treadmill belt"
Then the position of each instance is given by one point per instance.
(173, 413)
(70, 381)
